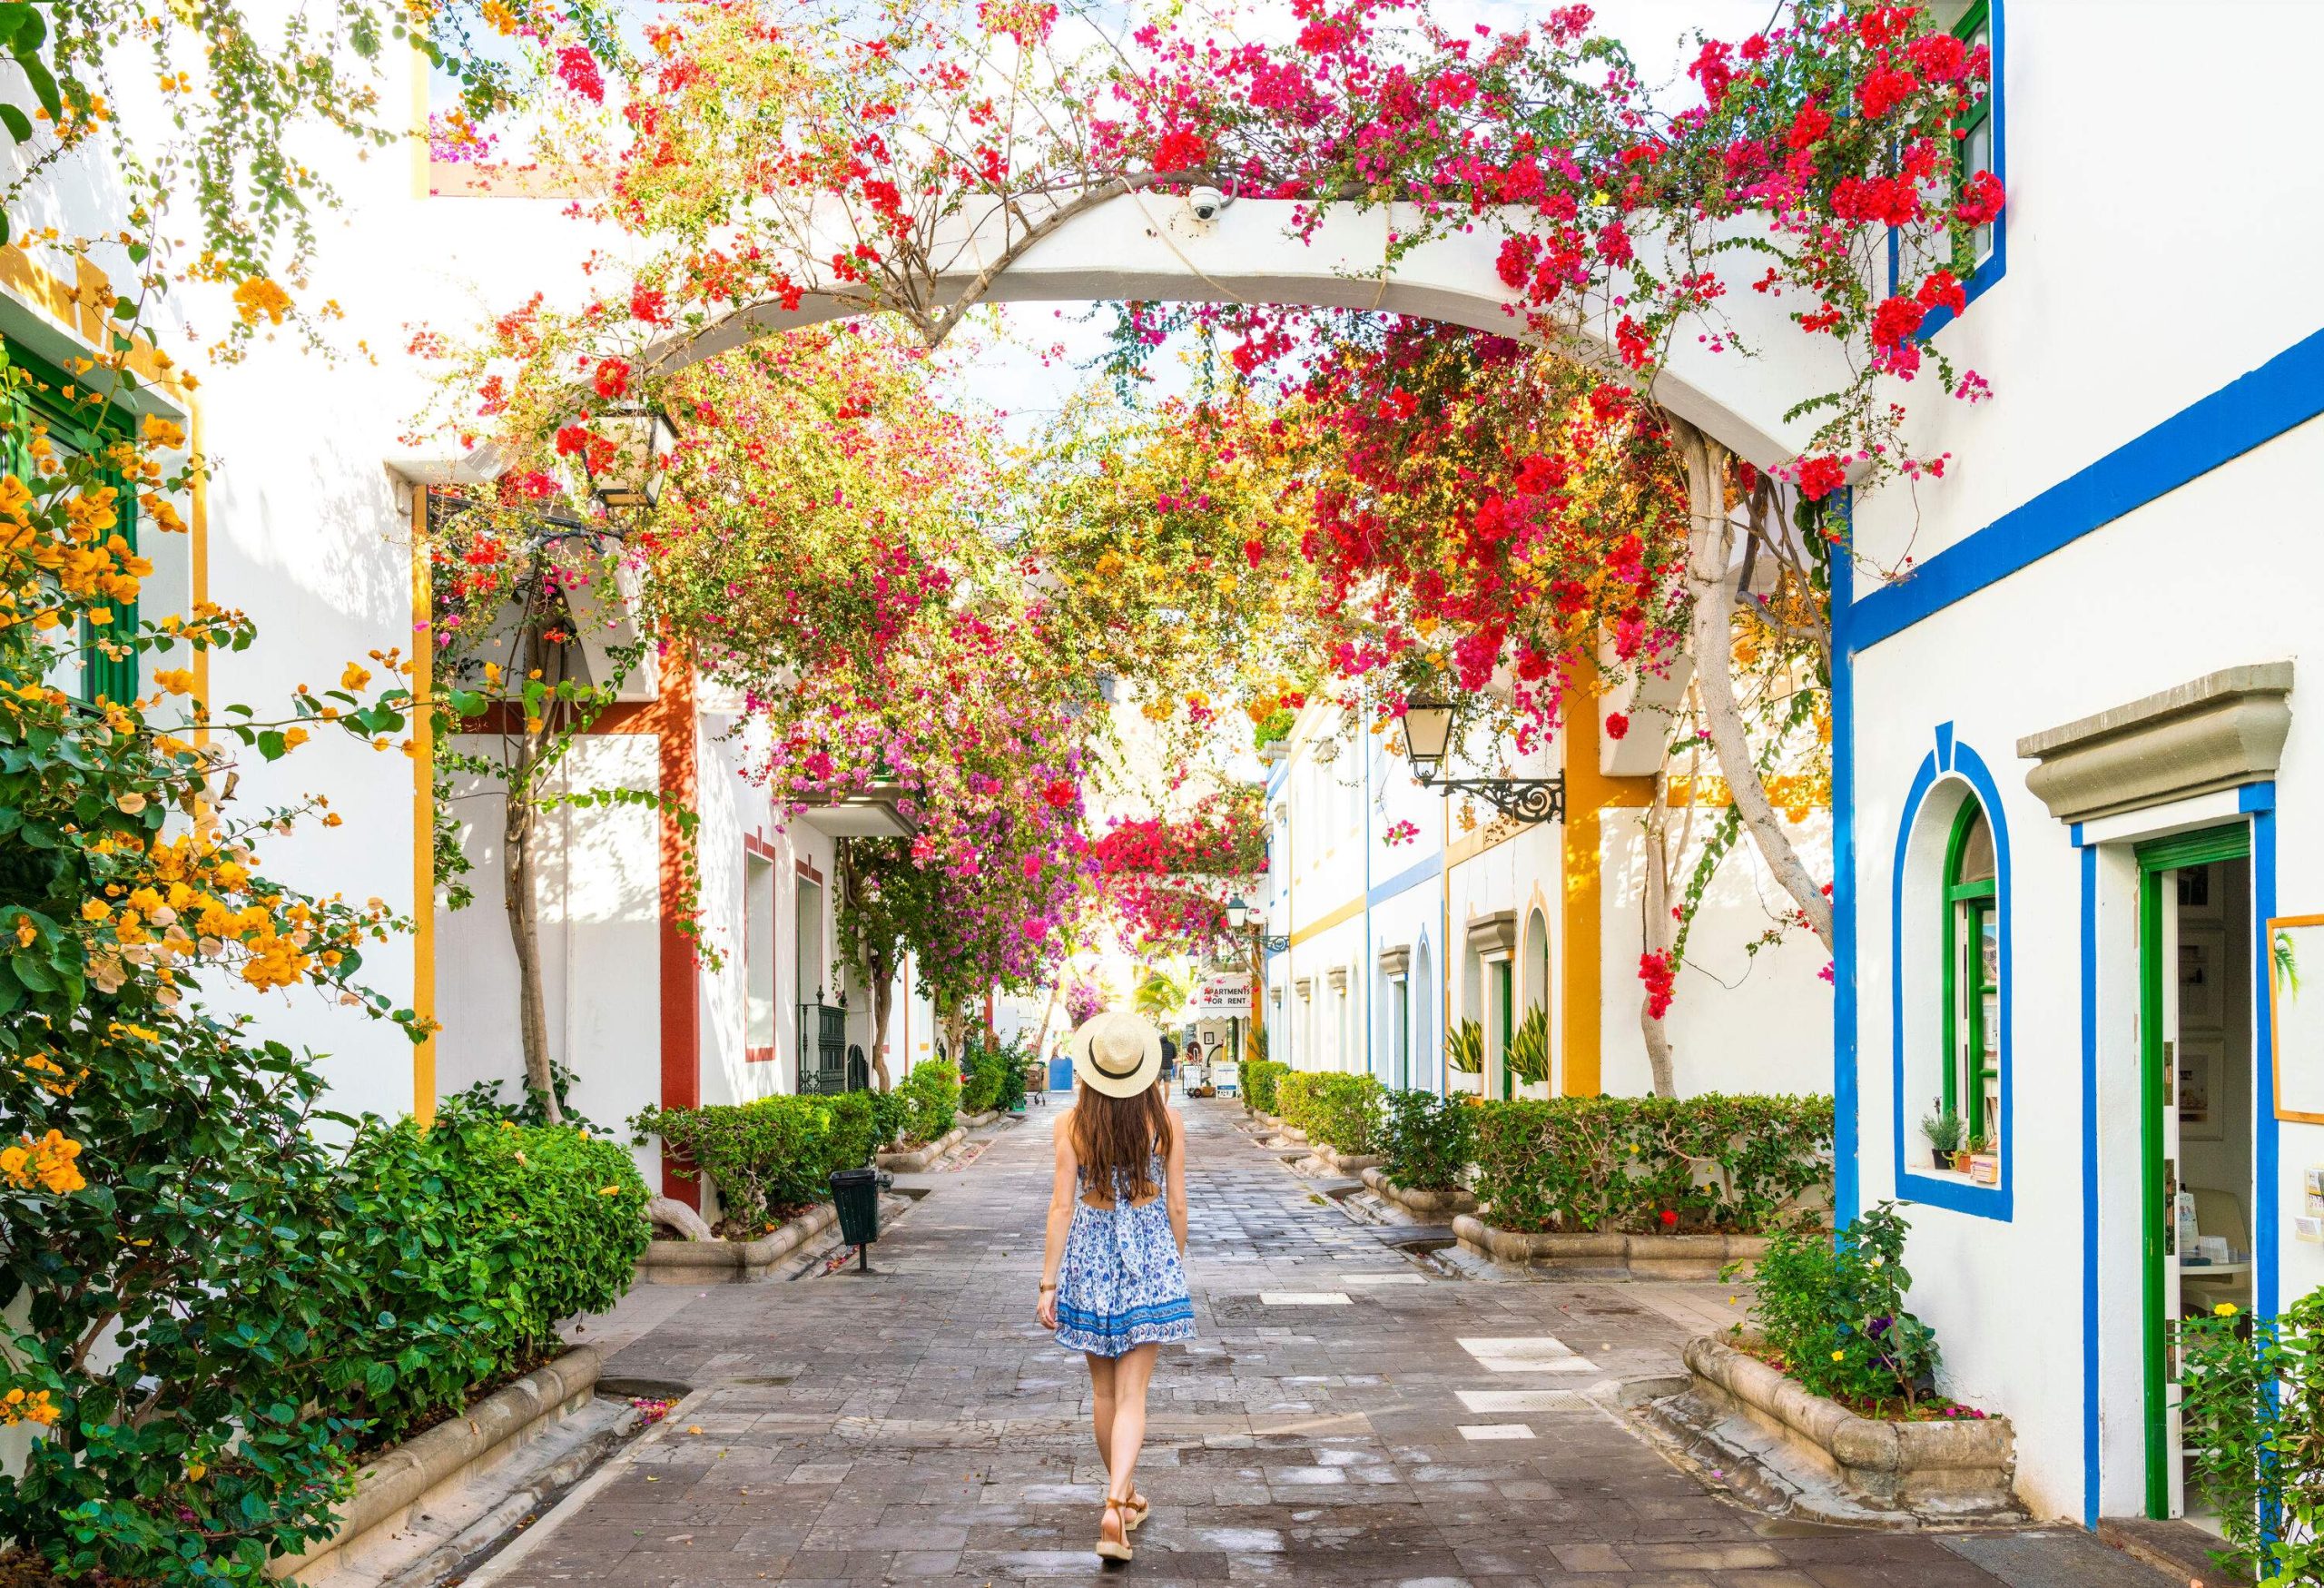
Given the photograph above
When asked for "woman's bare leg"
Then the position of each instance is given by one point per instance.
(1133, 1371)
(1101, 1406)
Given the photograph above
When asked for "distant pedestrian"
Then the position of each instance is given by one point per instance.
(1113, 1274)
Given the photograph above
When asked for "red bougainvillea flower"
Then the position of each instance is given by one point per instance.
(576, 68)
(1617, 726)
(1820, 476)
(1659, 977)
(1180, 150)
(612, 378)
(1670, 1216)
(1059, 793)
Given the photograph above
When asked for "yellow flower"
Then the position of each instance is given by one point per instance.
(355, 677)
(95, 910)
(1838, 1355)
(294, 737)
(609, 1190)
(259, 298)
(28, 933)
(176, 680)
(2224, 1309)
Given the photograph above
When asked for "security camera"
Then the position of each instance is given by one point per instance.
(1206, 202)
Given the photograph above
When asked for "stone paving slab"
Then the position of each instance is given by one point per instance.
(918, 1427)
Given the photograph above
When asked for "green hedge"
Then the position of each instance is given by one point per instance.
(1259, 1078)
(476, 1236)
(996, 1075)
(932, 1095)
(772, 1158)
(1428, 1141)
(1600, 1164)
(1343, 1111)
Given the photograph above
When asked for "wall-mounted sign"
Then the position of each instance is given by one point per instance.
(1221, 992)
(2295, 1015)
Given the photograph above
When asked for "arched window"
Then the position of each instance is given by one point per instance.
(1972, 935)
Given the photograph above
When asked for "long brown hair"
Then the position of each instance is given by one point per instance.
(1119, 1137)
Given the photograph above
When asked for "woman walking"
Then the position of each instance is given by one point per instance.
(1113, 1278)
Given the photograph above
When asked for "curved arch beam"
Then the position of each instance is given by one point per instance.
(1149, 247)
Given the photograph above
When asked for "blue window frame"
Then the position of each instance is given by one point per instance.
(1981, 255)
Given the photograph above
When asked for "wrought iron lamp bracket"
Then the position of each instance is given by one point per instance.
(1530, 801)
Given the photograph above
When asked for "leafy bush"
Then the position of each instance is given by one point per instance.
(478, 1235)
(1260, 1077)
(1427, 1140)
(2254, 1413)
(1596, 1164)
(996, 1074)
(1834, 1312)
(931, 1100)
(1343, 1111)
(772, 1158)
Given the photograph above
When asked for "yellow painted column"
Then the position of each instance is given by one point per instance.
(423, 815)
(1587, 792)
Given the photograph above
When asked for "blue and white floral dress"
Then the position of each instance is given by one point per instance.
(1121, 1283)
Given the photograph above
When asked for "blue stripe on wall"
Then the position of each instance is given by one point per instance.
(2089, 1182)
(1411, 877)
(2285, 391)
(1847, 1192)
(2266, 1175)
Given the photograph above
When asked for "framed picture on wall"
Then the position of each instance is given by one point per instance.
(2295, 950)
(2200, 1062)
(2202, 977)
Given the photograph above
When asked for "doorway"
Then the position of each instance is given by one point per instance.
(2198, 1117)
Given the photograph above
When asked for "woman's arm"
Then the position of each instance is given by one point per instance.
(1174, 1174)
(1061, 1219)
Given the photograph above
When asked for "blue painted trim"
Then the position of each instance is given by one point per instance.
(2267, 1232)
(2286, 391)
(2254, 797)
(2090, 1432)
(1846, 1131)
(1995, 1202)
(1995, 265)
(1404, 880)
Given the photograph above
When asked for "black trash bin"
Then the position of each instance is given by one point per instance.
(855, 1194)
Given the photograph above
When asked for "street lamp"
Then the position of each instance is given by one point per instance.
(1241, 917)
(631, 475)
(1427, 726)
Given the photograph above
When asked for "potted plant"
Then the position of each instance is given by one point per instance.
(1984, 1163)
(1944, 1130)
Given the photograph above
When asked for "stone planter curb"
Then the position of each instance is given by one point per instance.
(1418, 1201)
(1351, 1164)
(1941, 1468)
(979, 1121)
(389, 1486)
(690, 1262)
(917, 1160)
(1640, 1257)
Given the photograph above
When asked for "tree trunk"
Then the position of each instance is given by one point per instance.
(955, 1028)
(1655, 838)
(524, 932)
(883, 974)
(1710, 549)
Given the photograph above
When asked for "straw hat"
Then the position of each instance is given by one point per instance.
(1115, 1053)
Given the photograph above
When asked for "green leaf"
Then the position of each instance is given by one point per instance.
(273, 745)
(19, 125)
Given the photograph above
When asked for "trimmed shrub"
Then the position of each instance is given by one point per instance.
(996, 1075)
(773, 1158)
(1602, 1164)
(1427, 1140)
(479, 1235)
(1343, 1111)
(931, 1099)
(861, 1123)
(1259, 1079)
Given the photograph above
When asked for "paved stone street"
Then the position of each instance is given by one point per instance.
(1329, 1425)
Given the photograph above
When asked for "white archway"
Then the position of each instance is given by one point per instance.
(1149, 247)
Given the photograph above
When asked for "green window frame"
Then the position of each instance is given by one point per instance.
(83, 425)
(1973, 245)
(1504, 981)
(1972, 985)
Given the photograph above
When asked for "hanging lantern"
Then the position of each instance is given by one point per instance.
(630, 474)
